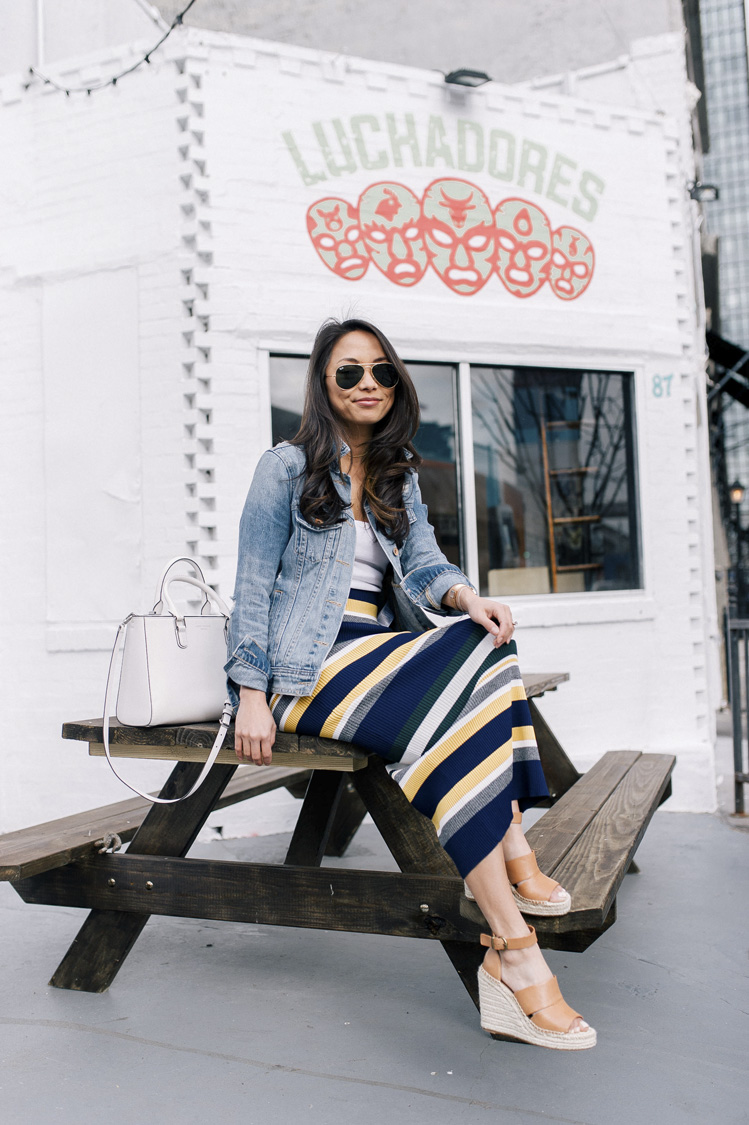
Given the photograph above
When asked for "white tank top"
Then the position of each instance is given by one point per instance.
(370, 561)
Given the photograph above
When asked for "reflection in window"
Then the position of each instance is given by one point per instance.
(554, 465)
(287, 374)
(435, 441)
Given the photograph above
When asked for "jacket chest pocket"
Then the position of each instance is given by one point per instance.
(313, 543)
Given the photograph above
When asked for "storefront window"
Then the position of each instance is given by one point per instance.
(554, 477)
(553, 471)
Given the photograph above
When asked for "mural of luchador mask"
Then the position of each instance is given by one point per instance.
(572, 263)
(333, 226)
(523, 246)
(459, 234)
(390, 216)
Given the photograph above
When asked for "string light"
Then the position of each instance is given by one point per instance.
(91, 88)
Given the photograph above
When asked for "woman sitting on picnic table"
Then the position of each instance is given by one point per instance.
(312, 652)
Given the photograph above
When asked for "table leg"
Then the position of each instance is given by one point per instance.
(107, 936)
(316, 818)
(349, 815)
(559, 771)
(413, 843)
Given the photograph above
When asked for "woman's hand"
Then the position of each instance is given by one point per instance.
(254, 728)
(495, 617)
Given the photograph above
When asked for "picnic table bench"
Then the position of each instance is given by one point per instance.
(586, 840)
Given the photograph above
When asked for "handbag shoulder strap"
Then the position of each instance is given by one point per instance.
(226, 717)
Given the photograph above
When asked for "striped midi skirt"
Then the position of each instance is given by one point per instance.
(446, 710)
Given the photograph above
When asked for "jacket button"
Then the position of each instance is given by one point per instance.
(395, 550)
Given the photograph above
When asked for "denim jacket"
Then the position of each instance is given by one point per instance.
(293, 578)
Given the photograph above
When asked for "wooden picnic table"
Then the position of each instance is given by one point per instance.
(586, 840)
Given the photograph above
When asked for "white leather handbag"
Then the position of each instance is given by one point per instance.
(172, 669)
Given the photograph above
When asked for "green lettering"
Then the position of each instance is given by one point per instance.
(498, 140)
(437, 146)
(307, 176)
(557, 179)
(399, 141)
(471, 129)
(367, 161)
(348, 164)
(587, 207)
(532, 161)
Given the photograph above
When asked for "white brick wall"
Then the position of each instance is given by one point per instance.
(653, 78)
(179, 180)
(93, 501)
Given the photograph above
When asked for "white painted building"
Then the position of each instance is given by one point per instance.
(161, 285)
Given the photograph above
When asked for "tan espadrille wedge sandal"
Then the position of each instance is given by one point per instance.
(532, 890)
(535, 898)
(536, 1015)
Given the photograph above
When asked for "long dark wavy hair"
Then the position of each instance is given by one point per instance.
(385, 460)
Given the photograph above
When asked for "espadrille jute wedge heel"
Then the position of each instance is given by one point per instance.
(537, 888)
(537, 1015)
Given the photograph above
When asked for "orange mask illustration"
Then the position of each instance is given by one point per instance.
(333, 226)
(459, 234)
(390, 217)
(523, 246)
(572, 263)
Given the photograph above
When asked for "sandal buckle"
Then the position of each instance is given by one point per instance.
(504, 944)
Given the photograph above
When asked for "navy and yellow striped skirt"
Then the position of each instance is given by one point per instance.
(445, 708)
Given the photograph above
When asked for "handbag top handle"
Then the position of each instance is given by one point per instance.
(160, 584)
(210, 595)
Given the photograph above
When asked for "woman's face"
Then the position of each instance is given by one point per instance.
(366, 403)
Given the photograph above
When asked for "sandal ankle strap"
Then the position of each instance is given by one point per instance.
(492, 941)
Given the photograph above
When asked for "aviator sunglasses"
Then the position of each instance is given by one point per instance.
(349, 374)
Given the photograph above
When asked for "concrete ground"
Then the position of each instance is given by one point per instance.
(259, 1025)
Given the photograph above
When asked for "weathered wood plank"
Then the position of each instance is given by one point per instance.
(576, 939)
(29, 851)
(593, 869)
(536, 683)
(106, 937)
(353, 759)
(268, 894)
(184, 743)
(558, 829)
